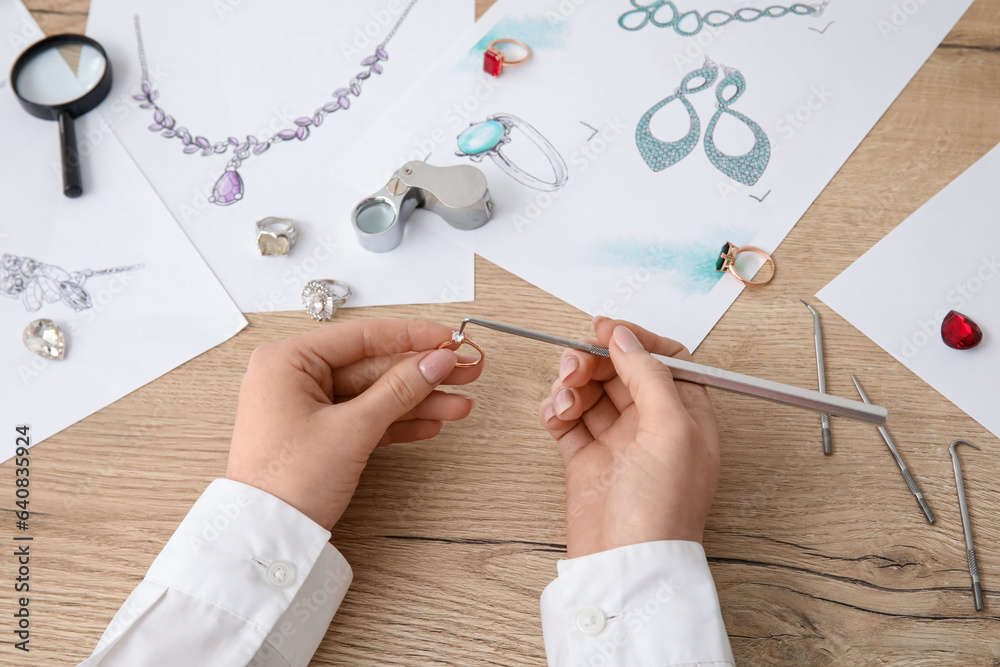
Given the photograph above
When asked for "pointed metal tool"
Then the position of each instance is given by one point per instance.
(688, 371)
(907, 477)
(821, 370)
(970, 552)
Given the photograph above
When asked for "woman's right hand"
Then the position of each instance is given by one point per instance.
(641, 449)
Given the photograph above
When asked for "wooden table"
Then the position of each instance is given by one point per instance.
(818, 561)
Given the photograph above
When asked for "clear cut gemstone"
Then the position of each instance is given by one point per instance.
(457, 337)
(45, 339)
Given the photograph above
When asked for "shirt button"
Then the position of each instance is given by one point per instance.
(590, 621)
(280, 574)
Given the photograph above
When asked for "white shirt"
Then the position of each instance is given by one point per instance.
(248, 580)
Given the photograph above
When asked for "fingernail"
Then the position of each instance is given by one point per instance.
(471, 399)
(563, 401)
(597, 318)
(548, 414)
(567, 366)
(625, 339)
(436, 365)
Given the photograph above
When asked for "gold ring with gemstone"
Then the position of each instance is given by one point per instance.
(727, 262)
(460, 339)
(276, 236)
(495, 60)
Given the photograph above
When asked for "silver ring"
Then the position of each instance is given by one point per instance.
(276, 236)
(322, 298)
(482, 139)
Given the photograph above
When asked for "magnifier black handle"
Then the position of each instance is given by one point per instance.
(72, 185)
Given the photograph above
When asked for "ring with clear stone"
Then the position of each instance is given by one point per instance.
(458, 338)
(322, 298)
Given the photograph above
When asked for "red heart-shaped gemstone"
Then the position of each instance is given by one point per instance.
(960, 332)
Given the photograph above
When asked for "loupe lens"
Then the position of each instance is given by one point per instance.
(375, 217)
(45, 78)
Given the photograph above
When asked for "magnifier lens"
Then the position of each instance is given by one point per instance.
(45, 78)
(375, 217)
(61, 78)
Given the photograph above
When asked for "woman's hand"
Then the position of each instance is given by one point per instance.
(313, 408)
(641, 450)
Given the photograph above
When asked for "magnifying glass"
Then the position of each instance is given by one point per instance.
(60, 78)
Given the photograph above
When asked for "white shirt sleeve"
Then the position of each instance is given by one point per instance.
(644, 605)
(245, 580)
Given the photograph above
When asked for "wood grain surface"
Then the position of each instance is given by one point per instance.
(819, 561)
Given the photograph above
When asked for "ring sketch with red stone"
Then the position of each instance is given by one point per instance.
(229, 188)
(36, 283)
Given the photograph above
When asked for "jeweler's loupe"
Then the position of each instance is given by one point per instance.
(60, 78)
(459, 194)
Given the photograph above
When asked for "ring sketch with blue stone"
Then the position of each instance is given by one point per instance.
(36, 283)
(659, 154)
(488, 138)
(652, 12)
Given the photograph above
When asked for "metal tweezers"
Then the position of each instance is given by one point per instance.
(689, 371)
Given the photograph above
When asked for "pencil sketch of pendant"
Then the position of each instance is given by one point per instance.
(488, 138)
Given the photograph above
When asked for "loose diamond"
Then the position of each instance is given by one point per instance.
(45, 339)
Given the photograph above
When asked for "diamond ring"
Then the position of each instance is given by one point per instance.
(276, 236)
(322, 298)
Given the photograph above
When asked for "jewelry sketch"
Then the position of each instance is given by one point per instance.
(488, 139)
(647, 11)
(37, 283)
(659, 155)
(229, 189)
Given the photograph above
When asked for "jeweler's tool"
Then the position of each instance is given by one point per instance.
(907, 477)
(718, 378)
(970, 552)
(824, 418)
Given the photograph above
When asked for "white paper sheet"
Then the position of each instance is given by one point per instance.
(237, 68)
(944, 257)
(140, 323)
(621, 239)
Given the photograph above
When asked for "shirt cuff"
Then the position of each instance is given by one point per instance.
(258, 558)
(644, 605)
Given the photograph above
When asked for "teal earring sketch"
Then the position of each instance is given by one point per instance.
(651, 11)
(662, 154)
(747, 168)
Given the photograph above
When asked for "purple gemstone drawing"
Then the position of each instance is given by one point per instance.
(230, 189)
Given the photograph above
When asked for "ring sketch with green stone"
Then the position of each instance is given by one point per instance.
(489, 137)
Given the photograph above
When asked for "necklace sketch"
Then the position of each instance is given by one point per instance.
(652, 12)
(229, 188)
(36, 283)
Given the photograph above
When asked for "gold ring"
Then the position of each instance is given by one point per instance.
(495, 60)
(463, 340)
(727, 262)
